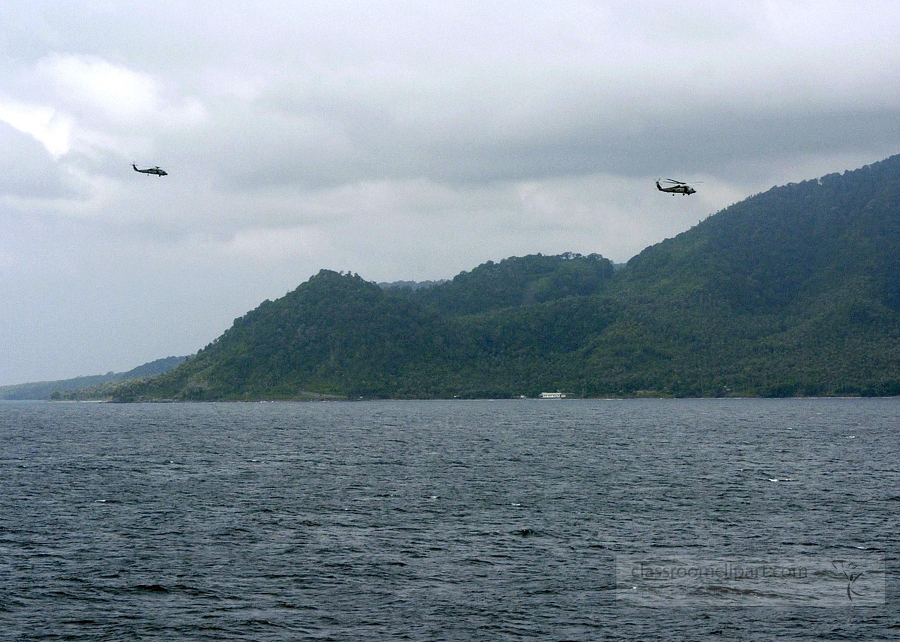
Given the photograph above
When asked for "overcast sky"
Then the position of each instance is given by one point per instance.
(399, 140)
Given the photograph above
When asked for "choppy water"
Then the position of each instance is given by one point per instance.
(438, 520)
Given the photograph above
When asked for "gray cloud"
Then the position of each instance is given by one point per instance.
(29, 171)
(396, 139)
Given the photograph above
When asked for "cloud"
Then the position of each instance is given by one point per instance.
(42, 122)
(29, 171)
(83, 104)
(348, 92)
(278, 244)
(517, 93)
(89, 85)
(400, 140)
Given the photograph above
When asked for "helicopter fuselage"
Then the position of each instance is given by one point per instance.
(680, 188)
(150, 170)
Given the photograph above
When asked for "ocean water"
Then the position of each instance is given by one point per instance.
(450, 520)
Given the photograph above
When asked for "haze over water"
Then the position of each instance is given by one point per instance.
(448, 520)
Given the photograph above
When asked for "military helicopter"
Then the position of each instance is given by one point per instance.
(150, 170)
(676, 187)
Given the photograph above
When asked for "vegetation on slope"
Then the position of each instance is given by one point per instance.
(89, 387)
(794, 291)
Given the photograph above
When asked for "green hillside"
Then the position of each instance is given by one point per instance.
(519, 281)
(75, 387)
(795, 291)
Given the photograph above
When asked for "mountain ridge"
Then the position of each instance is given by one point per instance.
(66, 388)
(793, 291)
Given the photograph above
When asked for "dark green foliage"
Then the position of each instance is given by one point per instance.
(792, 292)
(519, 281)
(334, 335)
(410, 285)
(90, 387)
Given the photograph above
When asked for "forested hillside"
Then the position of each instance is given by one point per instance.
(519, 281)
(69, 388)
(793, 291)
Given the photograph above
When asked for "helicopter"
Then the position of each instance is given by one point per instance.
(675, 187)
(150, 170)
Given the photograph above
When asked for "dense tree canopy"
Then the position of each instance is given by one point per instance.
(793, 291)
